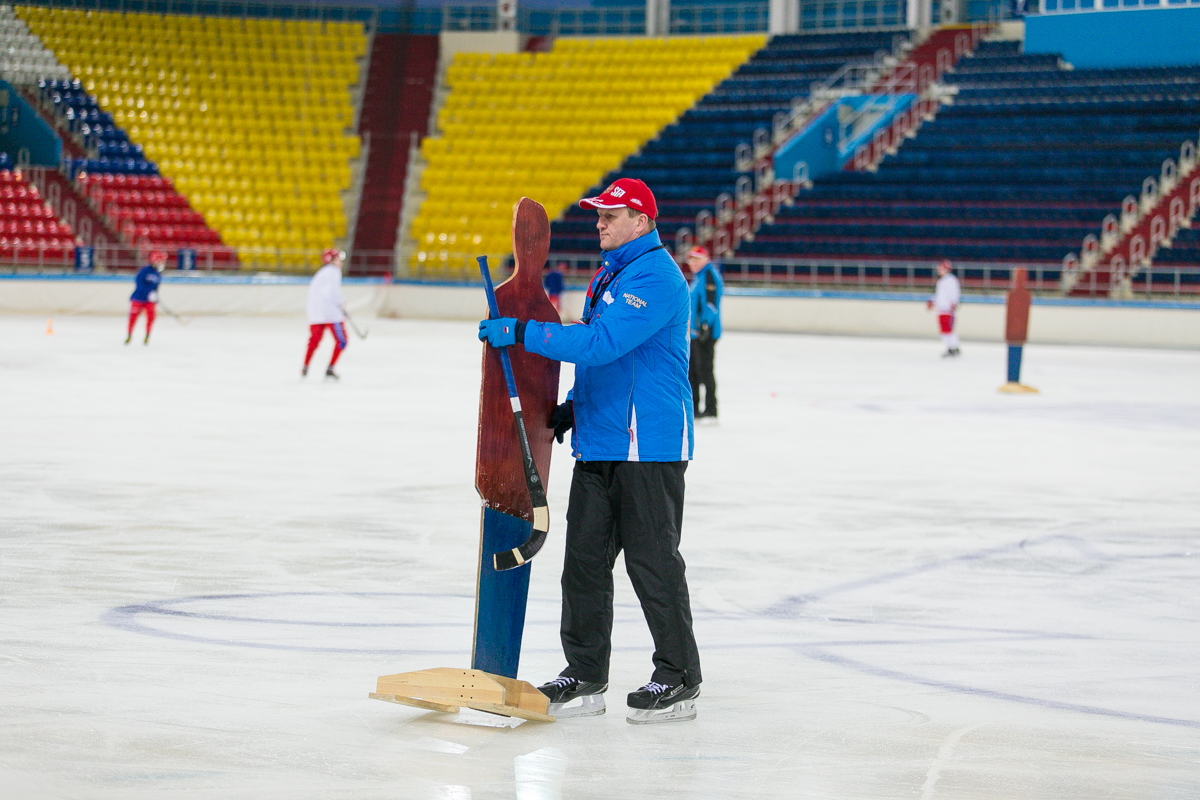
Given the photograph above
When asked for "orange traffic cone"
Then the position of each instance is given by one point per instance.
(49, 327)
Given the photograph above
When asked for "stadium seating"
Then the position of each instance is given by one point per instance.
(123, 186)
(23, 59)
(247, 118)
(691, 161)
(1027, 161)
(549, 126)
(29, 233)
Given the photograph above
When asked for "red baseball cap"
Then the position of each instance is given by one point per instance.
(624, 193)
(698, 251)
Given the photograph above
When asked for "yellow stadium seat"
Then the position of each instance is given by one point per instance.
(220, 102)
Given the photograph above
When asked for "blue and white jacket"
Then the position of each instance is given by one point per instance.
(707, 289)
(632, 398)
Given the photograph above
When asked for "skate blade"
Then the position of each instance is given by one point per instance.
(591, 705)
(680, 712)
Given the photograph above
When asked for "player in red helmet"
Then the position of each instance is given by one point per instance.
(326, 309)
(145, 294)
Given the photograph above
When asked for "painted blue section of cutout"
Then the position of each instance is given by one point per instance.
(500, 604)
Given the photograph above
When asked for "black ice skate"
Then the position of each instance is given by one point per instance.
(304, 370)
(572, 698)
(146, 340)
(128, 338)
(951, 353)
(329, 373)
(658, 702)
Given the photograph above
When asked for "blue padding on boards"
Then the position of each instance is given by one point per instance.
(1014, 363)
(500, 604)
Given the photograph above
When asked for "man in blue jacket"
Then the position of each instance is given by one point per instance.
(707, 288)
(631, 410)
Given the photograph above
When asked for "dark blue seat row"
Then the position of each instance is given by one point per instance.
(119, 166)
(925, 250)
(796, 230)
(1025, 158)
(1060, 213)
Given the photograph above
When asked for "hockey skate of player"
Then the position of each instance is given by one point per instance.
(631, 410)
(946, 295)
(326, 310)
(145, 294)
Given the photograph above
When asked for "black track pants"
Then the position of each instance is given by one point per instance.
(638, 507)
(700, 373)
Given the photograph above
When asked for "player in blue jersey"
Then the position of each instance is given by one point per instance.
(145, 294)
(631, 410)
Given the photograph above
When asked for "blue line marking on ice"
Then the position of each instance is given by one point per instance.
(883, 672)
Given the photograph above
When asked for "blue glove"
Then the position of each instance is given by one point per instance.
(502, 332)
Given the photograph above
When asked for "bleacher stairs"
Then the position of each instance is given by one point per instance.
(914, 70)
(1108, 264)
(396, 110)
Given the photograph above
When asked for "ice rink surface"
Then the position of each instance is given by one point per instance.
(905, 584)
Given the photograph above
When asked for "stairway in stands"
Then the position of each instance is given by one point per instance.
(396, 104)
(1029, 159)
(691, 161)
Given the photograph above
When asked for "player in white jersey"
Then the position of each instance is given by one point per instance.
(946, 296)
(326, 309)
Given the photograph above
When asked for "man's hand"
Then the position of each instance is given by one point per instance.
(563, 419)
(502, 332)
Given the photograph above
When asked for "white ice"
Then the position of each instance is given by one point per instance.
(905, 584)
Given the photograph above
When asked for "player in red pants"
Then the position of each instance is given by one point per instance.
(945, 301)
(145, 294)
(325, 304)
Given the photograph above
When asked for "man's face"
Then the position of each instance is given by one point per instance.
(159, 264)
(617, 227)
(696, 262)
(942, 269)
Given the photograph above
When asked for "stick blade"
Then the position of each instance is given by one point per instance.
(518, 556)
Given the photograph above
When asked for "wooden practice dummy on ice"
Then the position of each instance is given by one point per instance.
(508, 512)
(1016, 331)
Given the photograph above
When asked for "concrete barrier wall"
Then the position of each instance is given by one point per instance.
(198, 295)
(1052, 321)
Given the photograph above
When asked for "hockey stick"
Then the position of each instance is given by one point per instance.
(361, 334)
(537, 493)
(178, 318)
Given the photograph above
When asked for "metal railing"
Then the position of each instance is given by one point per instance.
(820, 16)
(1180, 283)
(39, 257)
(1162, 283)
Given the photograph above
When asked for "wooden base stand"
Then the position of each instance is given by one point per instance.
(449, 689)
(1017, 388)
